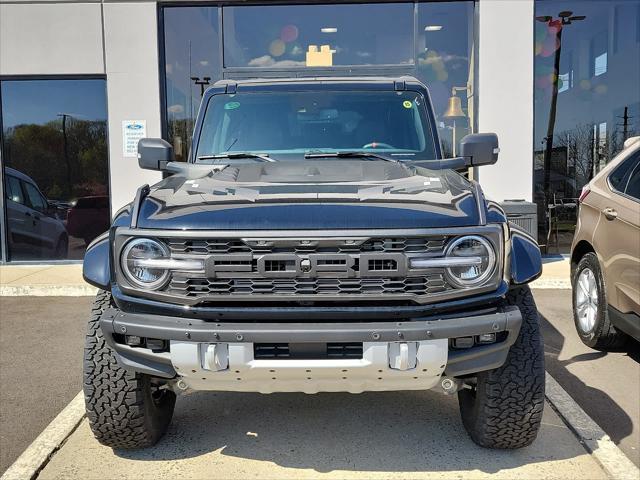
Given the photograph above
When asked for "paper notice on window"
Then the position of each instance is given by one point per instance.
(132, 132)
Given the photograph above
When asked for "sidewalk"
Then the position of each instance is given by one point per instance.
(43, 280)
(66, 280)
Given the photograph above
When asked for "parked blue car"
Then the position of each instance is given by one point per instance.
(315, 241)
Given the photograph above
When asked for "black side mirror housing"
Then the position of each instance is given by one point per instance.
(154, 154)
(480, 149)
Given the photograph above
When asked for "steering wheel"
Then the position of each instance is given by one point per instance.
(378, 145)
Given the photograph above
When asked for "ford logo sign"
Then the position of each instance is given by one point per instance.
(134, 126)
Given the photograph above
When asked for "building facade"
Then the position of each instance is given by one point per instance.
(81, 81)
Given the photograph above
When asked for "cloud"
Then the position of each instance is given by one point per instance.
(269, 61)
(177, 108)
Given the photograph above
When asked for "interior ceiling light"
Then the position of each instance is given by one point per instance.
(433, 28)
(328, 29)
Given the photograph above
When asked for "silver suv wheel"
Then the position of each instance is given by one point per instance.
(586, 300)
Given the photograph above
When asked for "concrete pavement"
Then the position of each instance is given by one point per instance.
(605, 385)
(371, 435)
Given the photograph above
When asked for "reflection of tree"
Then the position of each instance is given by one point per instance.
(588, 150)
(38, 151)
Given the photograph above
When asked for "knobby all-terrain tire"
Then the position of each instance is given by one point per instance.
(504, 410)
(603, 336)
(125, 410)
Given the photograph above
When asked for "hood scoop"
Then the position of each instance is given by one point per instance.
(310, 171)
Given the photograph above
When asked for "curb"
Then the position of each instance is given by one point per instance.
(78, 290)
(551, 284)
(37, 455)
(613, 461)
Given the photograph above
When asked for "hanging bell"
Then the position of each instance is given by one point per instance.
(455, 108)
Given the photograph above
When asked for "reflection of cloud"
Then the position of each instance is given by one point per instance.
(204, 63)
(363, 54)
(177, 108)
(269, 61)
(297, 51)
(168, 68)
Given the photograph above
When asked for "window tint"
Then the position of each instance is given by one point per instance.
(14, 191)
(299, 122)
(618, 178)
(580, 130)
(192, 62)
(318, 35)
(55, 133)
(444, 47)
(34, 198)
(633, 185)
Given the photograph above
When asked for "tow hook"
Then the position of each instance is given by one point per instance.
(450, 385)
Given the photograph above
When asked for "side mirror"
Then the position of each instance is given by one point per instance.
(154, 153)
(480, 149)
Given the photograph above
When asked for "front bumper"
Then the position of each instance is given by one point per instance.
(191, 340)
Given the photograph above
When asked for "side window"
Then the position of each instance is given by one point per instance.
(618, 178)
(14, 191)
(633, 185)
(35, 198)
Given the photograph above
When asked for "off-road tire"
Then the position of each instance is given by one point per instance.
(504, 409)
(125, 410)
(604, 336)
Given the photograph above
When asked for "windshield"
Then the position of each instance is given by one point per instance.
(289, 125)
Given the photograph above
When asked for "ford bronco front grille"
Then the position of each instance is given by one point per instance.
(317, 268)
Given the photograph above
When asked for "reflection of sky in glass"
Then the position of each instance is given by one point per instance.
(40, 101)
(603, 63)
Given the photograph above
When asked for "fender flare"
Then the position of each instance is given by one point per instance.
(526, 259)
(96, 268)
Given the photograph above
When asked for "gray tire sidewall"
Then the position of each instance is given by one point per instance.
(590, 261)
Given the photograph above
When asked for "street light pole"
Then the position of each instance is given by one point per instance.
(564, 18)
(66, 148)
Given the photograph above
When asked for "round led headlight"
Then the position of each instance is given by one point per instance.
(137, 262)
(473, 260)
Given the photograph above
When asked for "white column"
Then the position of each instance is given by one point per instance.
(505, 95)
(133, 89)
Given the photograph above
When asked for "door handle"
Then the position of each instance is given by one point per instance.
(610, 213)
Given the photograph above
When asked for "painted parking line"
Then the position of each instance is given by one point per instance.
(31, 461)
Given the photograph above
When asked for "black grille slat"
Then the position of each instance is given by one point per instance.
(271, 351)
(431, 244)
(423, 285)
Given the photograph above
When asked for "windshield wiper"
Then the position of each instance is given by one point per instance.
(350, 154)
(236, 155)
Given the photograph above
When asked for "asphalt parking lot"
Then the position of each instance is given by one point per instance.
(295, 435)
(41, 341)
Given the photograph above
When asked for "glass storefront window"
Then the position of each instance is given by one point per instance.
(445, 58)
(282, 40)
(584, 110)
(285, 36)
(192, 62)
(55, 166)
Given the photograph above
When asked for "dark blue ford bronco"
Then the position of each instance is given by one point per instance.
(315, 241)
